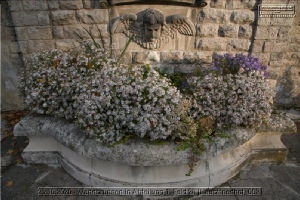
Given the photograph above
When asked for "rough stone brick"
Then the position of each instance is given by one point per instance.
(204, 57)
(197, 57)
(238, 45)
(58, 32)
(35, 46)
(295, 39)
(233, 4)
(280, 63)
(23, 47)
(14, 47)
(207, 30)
(283, 33)
(277, 21)
(63, 17)
(189, 57)
(7, 22)
(127, 58)
(146, 57)
(258, 46)
(263, 32)
(242, 17)
(211, 15)
(53, 5)
(39, 32)
(278, 56)
(294, 57)
(171, 57)
(70, 4)
(21, 33)
(88, 4)
(264, 57)
(263, 21)
(43, 18)
(21, 18)
(217, 4)
(291, 58)
(16, 59)
(274, 72)
(66, 44)
(245, 31)
(211, 44)
(70, 31)
(228, 31)
(15, 5)
(273, 46)
(102, 27)
(240, 4)
(294, 47)
(250, 4)
(35, 4)
(93, 16)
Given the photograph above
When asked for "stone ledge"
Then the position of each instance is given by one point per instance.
(54, 141)
(137, 153)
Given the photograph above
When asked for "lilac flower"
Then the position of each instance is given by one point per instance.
(229, 64)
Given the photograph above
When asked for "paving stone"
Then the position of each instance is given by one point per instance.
(288, 176)
(6, 161)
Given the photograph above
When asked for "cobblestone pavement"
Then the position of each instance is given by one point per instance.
(21, 181)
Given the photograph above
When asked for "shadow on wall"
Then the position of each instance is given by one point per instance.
(11, 63)
(254, 25)
(288, 89)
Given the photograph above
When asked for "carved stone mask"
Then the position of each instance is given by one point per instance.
(152, 29)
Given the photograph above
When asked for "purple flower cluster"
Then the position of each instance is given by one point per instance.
(229, 64)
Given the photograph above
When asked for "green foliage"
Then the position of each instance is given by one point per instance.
(157, 142)
(102, 45)
(124, 140)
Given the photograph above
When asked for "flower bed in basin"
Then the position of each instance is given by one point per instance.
(116, 124)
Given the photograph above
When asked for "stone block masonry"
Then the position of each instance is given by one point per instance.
(231, 26)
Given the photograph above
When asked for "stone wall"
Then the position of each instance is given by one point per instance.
(222, 26)
(11, 62)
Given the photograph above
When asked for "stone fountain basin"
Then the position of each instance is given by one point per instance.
(138, 163)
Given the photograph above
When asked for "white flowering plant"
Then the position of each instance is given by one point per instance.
(51, 79)
(130, 100)
(109, 101)
(234, 91)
